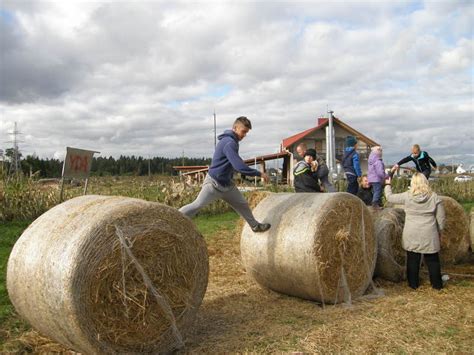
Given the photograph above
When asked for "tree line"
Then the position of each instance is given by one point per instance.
(102, 166)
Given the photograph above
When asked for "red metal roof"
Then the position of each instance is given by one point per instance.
(293, 139)
(323, 123)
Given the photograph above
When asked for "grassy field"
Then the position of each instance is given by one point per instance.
(239, 316)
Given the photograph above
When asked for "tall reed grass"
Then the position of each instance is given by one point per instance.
(23, 198)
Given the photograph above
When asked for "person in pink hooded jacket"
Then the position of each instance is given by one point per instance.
(376, 175)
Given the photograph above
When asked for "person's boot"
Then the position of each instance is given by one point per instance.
(261, 227)
(376, 207)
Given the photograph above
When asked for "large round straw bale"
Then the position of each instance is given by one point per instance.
(455, 235)
(388, 226)
(255, 197)
(103, 274)
(320, 247)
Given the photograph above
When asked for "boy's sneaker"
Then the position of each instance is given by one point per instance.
(261, 227)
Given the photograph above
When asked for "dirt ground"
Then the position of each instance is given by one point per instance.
(239, 316)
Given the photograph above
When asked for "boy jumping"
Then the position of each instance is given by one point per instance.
(218, 182)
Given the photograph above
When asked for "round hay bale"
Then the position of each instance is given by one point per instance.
(455, 235)
(255, 197)
(320, 247)
(388, 226)
(104, 274)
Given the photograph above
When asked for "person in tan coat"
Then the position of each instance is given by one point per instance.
(424, 220)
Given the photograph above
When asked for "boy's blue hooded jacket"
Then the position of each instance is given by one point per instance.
(226, 159)
(351, 165)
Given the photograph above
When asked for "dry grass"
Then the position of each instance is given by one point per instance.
(239, 316)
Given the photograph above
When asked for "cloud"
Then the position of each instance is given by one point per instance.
(145, 77)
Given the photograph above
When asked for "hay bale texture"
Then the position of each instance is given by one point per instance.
(455, 236)
(103, 274)
(388, 226)
(320, 247)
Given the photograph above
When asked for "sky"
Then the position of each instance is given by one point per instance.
(144, 77)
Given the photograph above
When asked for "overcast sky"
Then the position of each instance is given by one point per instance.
(144, 77)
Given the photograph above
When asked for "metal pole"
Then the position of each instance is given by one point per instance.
(332, 144)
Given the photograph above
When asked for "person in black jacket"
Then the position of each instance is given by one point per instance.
(305, 171)
(422, 160)
(365, 191)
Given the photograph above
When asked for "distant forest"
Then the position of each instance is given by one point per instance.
(52, 168)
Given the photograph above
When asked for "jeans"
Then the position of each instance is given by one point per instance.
(352, 184)
(377, 193)
(413, 269)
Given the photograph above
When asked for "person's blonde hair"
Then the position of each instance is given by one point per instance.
(416, 147)
(419, 185)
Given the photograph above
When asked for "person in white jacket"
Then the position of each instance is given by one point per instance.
(424, 220)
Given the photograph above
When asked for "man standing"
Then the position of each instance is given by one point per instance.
(351, 165)
(322, 172)
(422, 160)
(218, 182)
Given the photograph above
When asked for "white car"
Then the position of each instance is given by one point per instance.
(463, 178)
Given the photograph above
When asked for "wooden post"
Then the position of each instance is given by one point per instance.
(255, 168)
(85, 186)
(291, 178)
(61, 191)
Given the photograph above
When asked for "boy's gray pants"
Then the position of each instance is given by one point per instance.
(211, 191)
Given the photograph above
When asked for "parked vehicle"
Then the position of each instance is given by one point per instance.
(463, 178)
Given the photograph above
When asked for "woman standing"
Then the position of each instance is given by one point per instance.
(424, 221)
(376, 175)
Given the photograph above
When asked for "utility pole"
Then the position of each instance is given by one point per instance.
(15, 164)
(215, 131)
(182, 159)
(331, 154)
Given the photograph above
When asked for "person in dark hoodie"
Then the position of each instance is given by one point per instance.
(323, 171)
(365, 191)
(351, 165)
(422, 160)
(218, 182)
(306, 175)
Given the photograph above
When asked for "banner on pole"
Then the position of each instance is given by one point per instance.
(77, 164)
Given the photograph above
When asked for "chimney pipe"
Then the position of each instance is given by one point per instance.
(331, 156)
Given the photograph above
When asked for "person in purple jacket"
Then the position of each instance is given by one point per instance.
(218, 182)
(376, 175)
